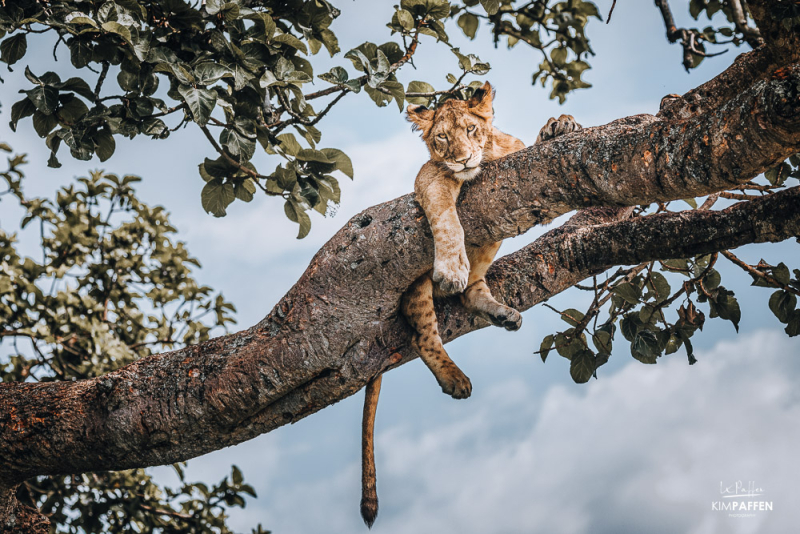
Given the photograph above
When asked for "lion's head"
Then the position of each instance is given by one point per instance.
(457, 132)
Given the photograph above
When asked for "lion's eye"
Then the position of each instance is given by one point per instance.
(471, 128)
(442, 137)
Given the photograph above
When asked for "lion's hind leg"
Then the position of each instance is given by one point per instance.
(478, 299)
(417, 306)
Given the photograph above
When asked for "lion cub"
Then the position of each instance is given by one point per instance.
(460, 137)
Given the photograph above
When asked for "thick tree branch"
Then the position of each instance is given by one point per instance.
(338, 326)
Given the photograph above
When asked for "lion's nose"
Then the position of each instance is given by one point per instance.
(464, 160)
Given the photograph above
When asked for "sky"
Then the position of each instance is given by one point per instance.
(643, 448)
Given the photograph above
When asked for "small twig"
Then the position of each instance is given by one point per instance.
(707, 205)
(755, 272)
(161, 511)
(256, 177)
(100, 81)
(55, 46)
(610, 11)
(739, 196)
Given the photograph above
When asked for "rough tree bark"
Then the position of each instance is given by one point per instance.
(338, 326)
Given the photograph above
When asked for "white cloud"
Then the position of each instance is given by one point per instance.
(642, 449)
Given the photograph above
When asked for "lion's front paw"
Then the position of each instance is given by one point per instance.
(561, 126)
(455, 383)
(452, 274)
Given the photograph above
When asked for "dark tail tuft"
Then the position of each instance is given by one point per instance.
(369, 509)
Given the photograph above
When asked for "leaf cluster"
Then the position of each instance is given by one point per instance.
(237, 66)
(556, 29)
(109, 285)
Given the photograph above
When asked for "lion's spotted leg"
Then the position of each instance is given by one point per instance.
(478, 299)
(417, 306)
(561, 126)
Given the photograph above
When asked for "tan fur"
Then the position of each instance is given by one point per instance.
(460, 137)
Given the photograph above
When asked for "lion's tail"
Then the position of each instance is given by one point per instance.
(369, 492)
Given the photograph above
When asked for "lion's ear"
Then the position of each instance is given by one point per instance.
(421, 116)
(481, 101)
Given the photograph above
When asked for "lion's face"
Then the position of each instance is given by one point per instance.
(457, 132)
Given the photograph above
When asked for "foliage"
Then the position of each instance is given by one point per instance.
(555, 29)
(658, 306)
(238, 66)
(241, 67)
(111, 286)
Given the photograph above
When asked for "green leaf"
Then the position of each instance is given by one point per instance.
(572, 316)
(781, 274)
(104, 144)
(602, 341)
(201, 102)
(420, 87)
(245, 190)
(43, 124)
(292, 41)
(341, 159)
(659, 286)
(676, 265)
(712, 280)
(645, 346)
(288, 144)
(568, 347)
(582, 366)
(726, 306)
(468, 24)
(405, 19)
(559, 55)
(72, 109)
(237, 477)
(627, 292)
(13, 48)
(117, 28)
(673, 344)
(793, 326)
(44, 97)
(285, 178)
(546, 346)
(336, 76)
(216, 197)
(20, 110)
(77, 18)
(296, 213)
(491, 6)
(782, 303)
(237, 144)
(155, 127)
(80, 52)
(397, 91)
(208, 73)
(79, 86)
(630, 325)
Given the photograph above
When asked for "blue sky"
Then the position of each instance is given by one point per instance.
(644, 448)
